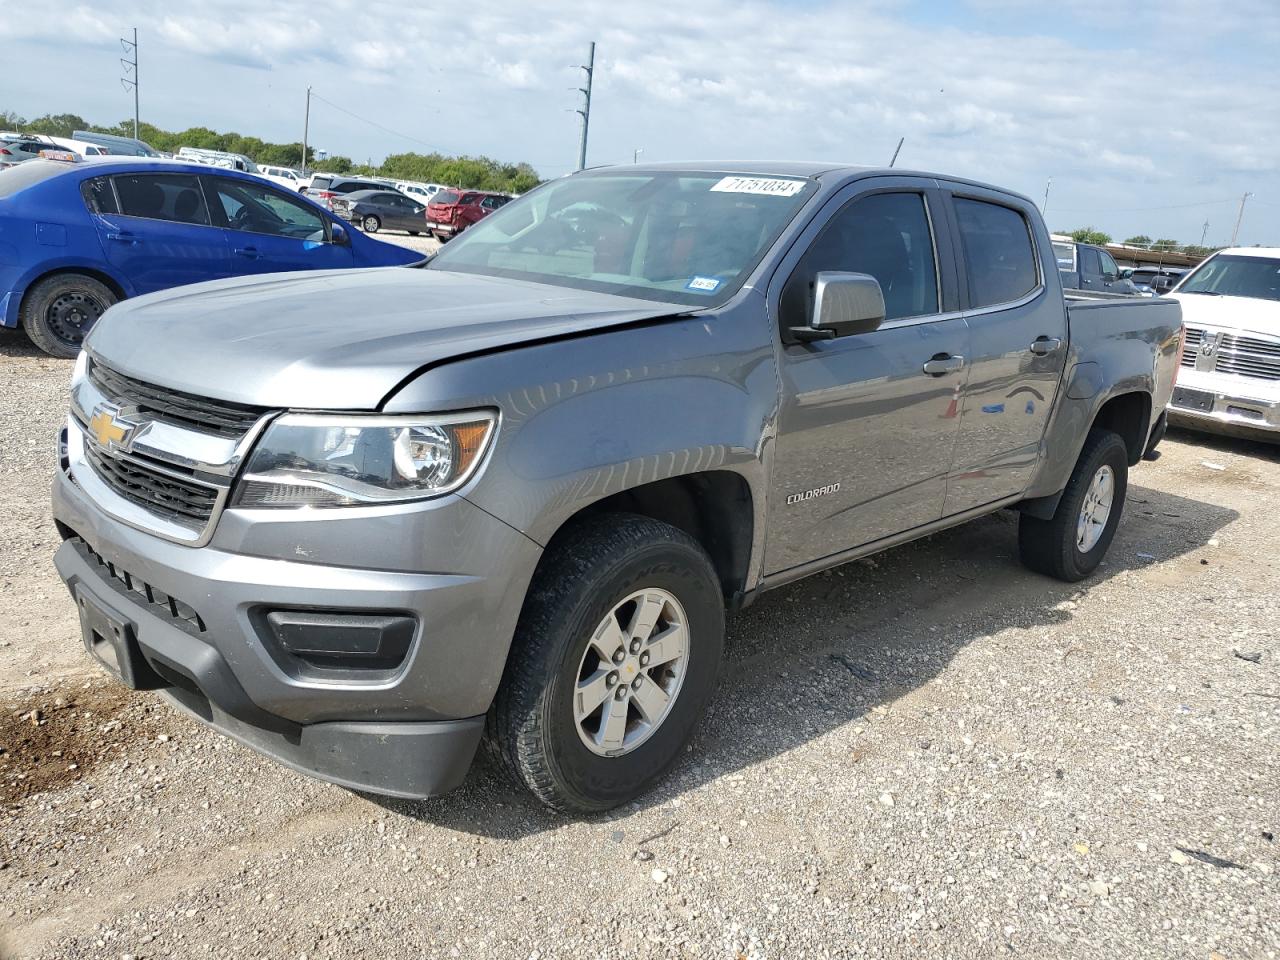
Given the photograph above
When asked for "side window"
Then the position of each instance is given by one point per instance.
(98, 195)
(260, 209)
(886, 235)
(1108, 264)
(1090, 265)
(999, 257)
(162, 196)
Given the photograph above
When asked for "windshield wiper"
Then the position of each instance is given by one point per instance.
(1203, 293)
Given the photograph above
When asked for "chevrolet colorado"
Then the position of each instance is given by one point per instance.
(360, 520)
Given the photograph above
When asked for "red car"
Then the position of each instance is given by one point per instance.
(451, 211)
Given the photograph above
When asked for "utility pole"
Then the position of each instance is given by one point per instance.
(585, 110)
(635, 155)
(1240, 216)
(1204, 233)
(131, 67)
(306, 129)
(1044, 206)
(897, 150)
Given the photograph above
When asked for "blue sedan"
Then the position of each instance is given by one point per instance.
(77, 237)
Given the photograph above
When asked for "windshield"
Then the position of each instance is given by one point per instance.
(1236, 276)
(688, 238)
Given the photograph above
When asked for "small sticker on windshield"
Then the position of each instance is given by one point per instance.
(703, 284)
(761, 185)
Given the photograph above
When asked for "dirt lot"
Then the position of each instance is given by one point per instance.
(931, 753)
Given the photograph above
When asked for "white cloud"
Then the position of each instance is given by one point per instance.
(1120, 118)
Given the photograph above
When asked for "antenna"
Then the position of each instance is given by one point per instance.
(897, 150)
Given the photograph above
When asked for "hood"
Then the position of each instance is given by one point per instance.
(1245, 314)
(339, 339)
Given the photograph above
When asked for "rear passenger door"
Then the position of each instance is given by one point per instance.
(1018, 343)
(865, 434)
(155, 229)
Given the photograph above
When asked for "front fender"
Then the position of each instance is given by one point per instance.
(591, 416)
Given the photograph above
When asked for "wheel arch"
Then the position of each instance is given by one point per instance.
(715, 507)
(106, 279)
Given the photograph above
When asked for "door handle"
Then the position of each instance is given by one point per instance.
(249, 252)
(942, 363)
(124, 237)
(1043, 346)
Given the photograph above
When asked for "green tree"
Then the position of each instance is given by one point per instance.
(1089, 235)
(1141, 240)
(479, 173)
(59, 125)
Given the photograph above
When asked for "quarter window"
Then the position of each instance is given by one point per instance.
(259, 209)
(885, 235)
(999, 256)
(162, 196)
(98, 195)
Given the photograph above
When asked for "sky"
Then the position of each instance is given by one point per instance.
(1152, 119)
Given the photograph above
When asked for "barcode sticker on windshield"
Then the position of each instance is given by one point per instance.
(762, 185)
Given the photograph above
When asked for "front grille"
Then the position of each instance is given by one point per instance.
(220, 417)
(1249, 357)
(1191, 346)
(156, 600)
(184, 502)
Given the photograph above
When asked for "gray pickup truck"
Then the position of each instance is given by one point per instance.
(362, 520)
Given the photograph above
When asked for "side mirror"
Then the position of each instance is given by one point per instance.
(844, 304)
(340, 235)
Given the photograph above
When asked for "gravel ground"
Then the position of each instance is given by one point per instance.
(928, 753)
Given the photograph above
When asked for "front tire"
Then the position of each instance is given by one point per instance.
(1071, 544)
(613, 663)
(59, 311)
(371, 224)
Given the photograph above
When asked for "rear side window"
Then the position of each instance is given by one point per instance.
(162, 196)
(98, 195)
(999, 257)
(28, 174)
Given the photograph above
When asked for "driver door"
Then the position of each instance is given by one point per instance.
(269, 231)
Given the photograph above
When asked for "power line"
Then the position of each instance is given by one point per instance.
(374, 123)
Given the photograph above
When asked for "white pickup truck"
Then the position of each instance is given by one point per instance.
(1230, 377)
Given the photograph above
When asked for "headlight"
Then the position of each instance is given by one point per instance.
(80, 369)
(306, 460)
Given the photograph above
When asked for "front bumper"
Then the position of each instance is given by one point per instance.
(196, 616)
(1228, 404)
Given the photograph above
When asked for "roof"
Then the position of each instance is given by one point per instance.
(795, 168)
(1272, 253)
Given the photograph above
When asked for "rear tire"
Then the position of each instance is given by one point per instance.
(371, 224)
(59, 311)
(583, 599)
(1071, 544)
